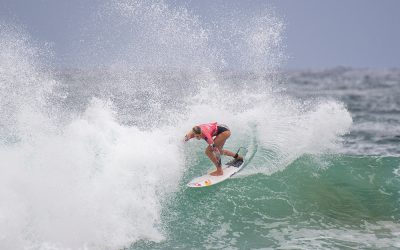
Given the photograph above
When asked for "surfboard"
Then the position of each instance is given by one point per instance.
(206, 180)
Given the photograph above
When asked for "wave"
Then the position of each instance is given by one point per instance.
(91, 157)
(317, 201)
(87, 181)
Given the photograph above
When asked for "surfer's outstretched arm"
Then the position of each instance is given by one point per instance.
(195, 132)
(189, 136)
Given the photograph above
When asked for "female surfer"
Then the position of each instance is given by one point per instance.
(215, 135)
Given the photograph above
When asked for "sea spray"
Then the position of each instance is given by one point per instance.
(25, 82)
(94, 183)
(89, 182)
(145, 34)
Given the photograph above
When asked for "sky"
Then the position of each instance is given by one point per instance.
(350, 33)
(318, 34)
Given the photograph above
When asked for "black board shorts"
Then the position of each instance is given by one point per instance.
(221, 128)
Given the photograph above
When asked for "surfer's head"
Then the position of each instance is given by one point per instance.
(197, 132)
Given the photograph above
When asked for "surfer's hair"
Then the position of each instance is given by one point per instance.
(196, 130)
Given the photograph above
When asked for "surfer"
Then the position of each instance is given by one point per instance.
(215, 135)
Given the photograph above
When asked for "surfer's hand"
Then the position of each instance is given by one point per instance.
(215, 149)
(186, 138)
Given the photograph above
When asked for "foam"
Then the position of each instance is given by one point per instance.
(94, 183)
(89, 182)
(334, 238)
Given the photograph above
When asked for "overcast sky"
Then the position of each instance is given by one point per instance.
(363, 33)
(319, 34)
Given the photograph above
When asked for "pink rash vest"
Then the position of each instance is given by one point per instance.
(209, 130)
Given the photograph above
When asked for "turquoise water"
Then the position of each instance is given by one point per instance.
(346, 202)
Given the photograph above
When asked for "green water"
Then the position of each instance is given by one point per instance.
(316, 202)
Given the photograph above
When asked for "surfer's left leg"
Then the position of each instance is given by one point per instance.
(231, 154)
(220, 140)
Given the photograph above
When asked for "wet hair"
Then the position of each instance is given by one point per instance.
(196, 130)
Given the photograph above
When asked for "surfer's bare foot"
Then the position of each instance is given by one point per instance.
(217, 172)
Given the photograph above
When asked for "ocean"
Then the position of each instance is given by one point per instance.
(94, 158)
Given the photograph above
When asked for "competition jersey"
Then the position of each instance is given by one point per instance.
(209, 130)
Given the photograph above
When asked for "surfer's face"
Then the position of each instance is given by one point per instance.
(198, 136)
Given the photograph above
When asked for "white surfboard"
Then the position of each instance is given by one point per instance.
(209, 180)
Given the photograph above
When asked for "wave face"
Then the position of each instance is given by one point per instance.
(325, 202)
(93, 158)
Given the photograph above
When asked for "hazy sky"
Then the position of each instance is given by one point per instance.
(319, 34)
(364, 33)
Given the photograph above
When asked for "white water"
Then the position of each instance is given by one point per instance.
(94, 183)
(89, 183)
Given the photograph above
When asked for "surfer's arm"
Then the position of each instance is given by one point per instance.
(210, 142)
(189, 136)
